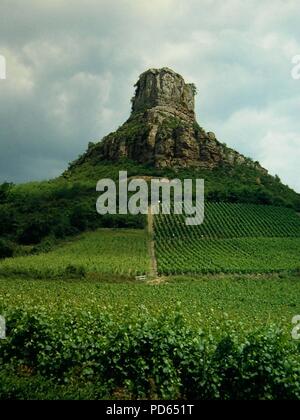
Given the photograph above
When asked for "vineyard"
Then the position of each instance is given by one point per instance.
(106, 251)
(78, 328)
(233, 238)
(87, 339)
(205, 302)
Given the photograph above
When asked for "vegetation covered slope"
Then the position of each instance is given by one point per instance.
(163, 139)
(53, 210)
(66, 205)
(239, 238)
(243, 182)
(223, 220)
(106, 252)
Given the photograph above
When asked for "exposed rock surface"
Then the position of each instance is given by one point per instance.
(162, 129)
(166, 89)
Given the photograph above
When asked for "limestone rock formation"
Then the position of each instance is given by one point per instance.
(166, 89)
(162, 130)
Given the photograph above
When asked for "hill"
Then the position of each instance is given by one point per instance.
(228, 289)
(234, 238)
(161, 138)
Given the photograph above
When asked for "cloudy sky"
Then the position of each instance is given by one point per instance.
(71, 66)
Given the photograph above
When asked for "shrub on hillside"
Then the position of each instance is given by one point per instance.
(4, 191)
(34, 232)
(6, 249)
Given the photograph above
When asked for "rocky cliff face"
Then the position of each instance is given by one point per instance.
(162, 129)
(166, 89)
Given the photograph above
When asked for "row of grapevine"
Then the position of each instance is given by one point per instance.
(224, 220)
(240, 255)
(104, 251)
(233, 238)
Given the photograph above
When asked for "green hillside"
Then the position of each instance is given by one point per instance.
(70, 327)
(233, 238)
(104, 252)
(232, 221)
(65, 206)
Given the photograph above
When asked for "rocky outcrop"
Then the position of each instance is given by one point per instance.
(165, 89)
(162, 129)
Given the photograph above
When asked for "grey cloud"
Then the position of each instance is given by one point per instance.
(72, 66)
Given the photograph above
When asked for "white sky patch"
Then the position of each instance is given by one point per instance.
(19, 77)
(155, 9)
(266, 136)
(280, 152)
(68, 95)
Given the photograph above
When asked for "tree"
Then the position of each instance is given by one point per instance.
(6, 249)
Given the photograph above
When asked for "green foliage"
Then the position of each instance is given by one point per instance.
(233, 238)
(6, 249)
(4, 191)
(80, 216)
(240, 255)
(23, 386)
(224, 220)
(34, 232)
(151, 358)
(74, 271)
(104, 251)
(172, 124)
(134, 131)
(66, 206)
(60, 208)
(206, 302)
(86, 340)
